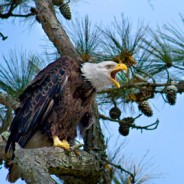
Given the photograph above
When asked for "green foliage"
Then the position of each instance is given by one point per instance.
(175, 36)
(85, 37)
(17, 71)
(162, 56)
(119, 36)
(166, 48)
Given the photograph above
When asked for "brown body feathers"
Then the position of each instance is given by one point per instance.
(55, 103)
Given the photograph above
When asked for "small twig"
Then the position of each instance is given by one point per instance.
(164, 98)
(148, 127)
(3, 37)
(7, 15)
(168, 75)
(113, 101)
(13, 5)
(107, 118)
(122, 169)
(137, 116)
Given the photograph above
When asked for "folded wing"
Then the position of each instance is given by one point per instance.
(36, 103)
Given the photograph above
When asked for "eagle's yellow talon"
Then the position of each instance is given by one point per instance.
(63, 144)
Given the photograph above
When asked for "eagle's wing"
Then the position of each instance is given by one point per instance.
(36, 103)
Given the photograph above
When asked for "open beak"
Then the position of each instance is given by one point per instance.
(118, 68)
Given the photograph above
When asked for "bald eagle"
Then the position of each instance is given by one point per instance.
(58, 101)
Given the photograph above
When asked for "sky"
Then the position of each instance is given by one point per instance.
(163, 144)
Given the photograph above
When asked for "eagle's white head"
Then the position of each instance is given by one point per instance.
(102, 74)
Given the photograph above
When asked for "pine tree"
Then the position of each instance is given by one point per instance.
(155, 62)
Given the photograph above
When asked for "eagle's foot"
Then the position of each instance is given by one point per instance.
(62, 144)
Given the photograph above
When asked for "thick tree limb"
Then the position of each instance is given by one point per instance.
(36, 165)
(53, 28)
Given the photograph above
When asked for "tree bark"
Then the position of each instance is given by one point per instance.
(36, 165)
(94, 143)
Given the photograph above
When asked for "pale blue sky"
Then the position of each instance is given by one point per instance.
(165, 143)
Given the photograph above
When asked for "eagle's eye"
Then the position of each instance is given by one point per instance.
(109, 66)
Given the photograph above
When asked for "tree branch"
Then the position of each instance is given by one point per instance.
(141, 85)
(36, 165)
(53, 28)
(12, 5)
(16, 15)
(8, 101)
(151, 126)
(10, 14)
(122, 170)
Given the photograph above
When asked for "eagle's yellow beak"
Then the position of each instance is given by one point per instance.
(118, 68)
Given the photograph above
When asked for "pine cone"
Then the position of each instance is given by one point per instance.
(128, 120)
(65, 11)
(115, 113)
(171, 94)
(124, 126)
(124, 129)
(145, 108)
(180, 86)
